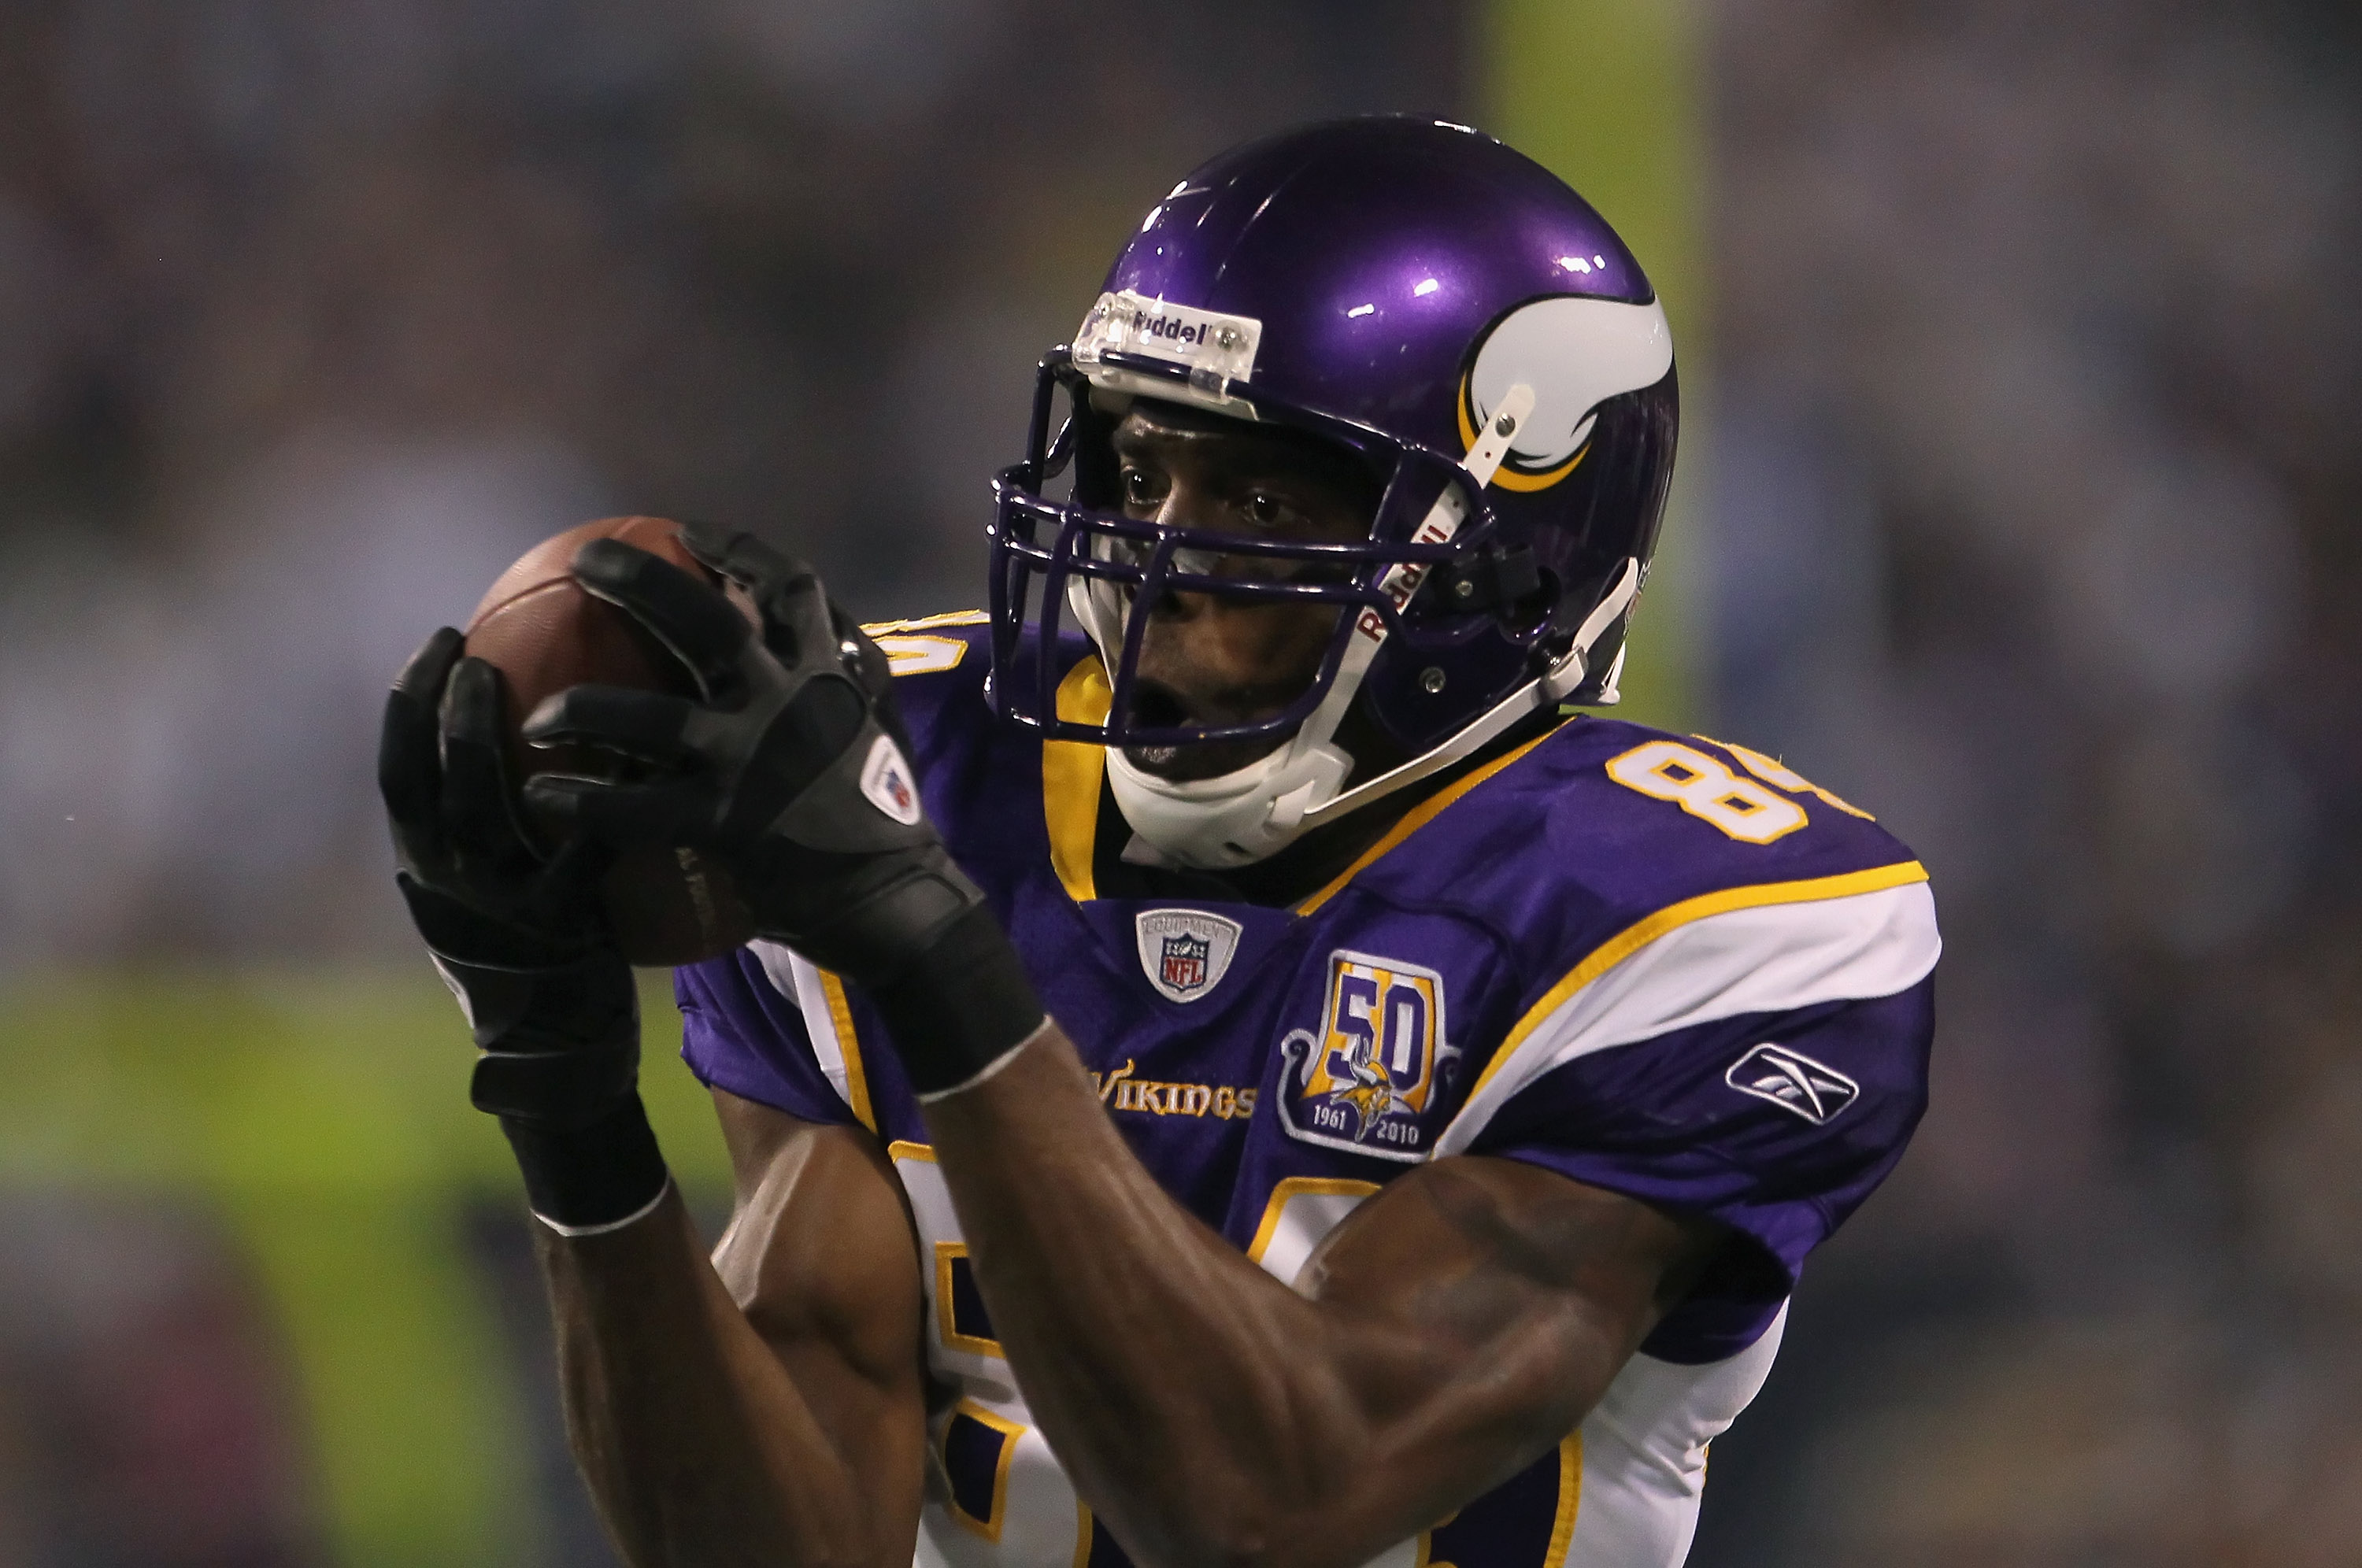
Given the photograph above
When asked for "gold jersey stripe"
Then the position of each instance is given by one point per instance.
(857, 1080)
(1071, 772)
(923, 623)
(1570, 1498)
(1415, 818)
(1570, 1505)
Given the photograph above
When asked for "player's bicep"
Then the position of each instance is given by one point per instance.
(821, 1257)
(1501, 1300)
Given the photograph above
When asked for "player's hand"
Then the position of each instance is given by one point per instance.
(793, 771)
(520, 937)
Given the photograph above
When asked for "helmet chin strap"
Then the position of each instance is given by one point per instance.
(1247, 814)
(1566, 676)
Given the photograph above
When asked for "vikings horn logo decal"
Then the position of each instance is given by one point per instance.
(1576, 353)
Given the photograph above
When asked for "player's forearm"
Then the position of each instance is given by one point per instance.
(1208, 1410)
(698, 1447)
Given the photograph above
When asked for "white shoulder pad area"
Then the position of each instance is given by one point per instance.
(1769, 958)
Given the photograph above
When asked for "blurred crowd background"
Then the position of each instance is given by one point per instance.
(2023, 351)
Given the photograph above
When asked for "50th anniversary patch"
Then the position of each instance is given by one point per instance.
(1365, 1080)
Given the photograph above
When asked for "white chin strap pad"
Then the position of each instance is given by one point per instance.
(1098, 608)
(1234, 819)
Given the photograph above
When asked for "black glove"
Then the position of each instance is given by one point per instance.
(520, 939)
(793, 771)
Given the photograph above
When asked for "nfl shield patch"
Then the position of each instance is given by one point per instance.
(1186, 952)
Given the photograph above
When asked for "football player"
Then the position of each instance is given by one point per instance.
(1234, 1070)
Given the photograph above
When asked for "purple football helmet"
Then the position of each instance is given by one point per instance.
(1444, 308)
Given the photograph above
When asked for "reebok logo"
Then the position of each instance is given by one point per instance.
(1793, 1081)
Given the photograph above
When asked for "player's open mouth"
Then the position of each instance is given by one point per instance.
(1153, 704)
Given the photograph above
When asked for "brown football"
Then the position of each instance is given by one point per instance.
(544, 633)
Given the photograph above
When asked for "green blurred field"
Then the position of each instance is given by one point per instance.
(326, 1119)
(1608, 94)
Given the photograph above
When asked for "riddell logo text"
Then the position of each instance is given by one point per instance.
(1404, 580)
(1119, 1090)
(1171, 327)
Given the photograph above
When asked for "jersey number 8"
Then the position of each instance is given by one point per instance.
(1706, 789)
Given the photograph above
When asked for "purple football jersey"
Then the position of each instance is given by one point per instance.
(1659, 964)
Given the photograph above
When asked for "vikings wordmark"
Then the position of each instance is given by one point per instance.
(1119, 1090)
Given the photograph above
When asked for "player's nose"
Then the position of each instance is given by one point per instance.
(1207, 644)
(1186, 505)
(1206, 515)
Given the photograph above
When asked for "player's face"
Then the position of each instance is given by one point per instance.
(1206, 658)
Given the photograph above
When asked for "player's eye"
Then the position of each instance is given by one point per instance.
(1269, 512)
(1143, 489)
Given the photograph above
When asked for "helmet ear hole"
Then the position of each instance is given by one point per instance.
(1509, 585)
(1532, 609)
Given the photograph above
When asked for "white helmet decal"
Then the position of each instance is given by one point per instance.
(1576, 353)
